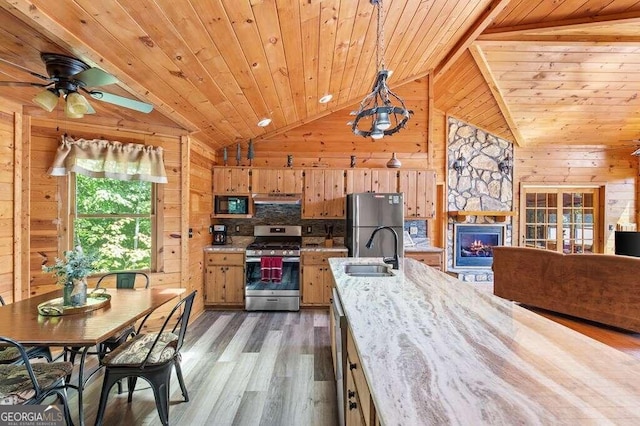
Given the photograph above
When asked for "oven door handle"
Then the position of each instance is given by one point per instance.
(284, 259)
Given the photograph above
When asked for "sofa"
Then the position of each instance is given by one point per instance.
(597, 287)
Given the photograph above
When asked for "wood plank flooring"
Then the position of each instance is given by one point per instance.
(264, 368)
(240, 368)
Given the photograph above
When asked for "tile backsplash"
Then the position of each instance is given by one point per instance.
(287, 214)
(282, 214)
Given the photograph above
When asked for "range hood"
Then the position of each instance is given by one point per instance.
(277, 198)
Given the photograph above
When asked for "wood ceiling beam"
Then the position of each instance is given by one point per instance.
(470, 36)
(482, 63)
(516, 33)
(27, 12)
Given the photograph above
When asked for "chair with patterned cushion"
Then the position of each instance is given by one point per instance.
(150, 356)
(11, 355)
(28, 384)
(120, 280)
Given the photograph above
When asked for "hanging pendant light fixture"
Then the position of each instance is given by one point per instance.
(386, 119)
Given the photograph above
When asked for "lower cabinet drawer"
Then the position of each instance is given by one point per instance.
(224, 258)
(431, 259)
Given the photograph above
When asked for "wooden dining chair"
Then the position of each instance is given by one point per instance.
(10, 355)
(151, 357)
(29, 384)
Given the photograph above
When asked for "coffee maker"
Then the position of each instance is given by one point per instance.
(219, 234)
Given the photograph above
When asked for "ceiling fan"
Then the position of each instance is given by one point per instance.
(67, 77)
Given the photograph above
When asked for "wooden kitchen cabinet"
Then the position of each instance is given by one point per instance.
(433, 259)
(276, 181)
(224, 279)
(317, 279)
(353, 415)
(231, 180)
(359, 409)
(372, 180)
(324, 194)
(419, 187)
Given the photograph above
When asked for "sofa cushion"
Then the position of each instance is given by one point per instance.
(135, 350)
(16, 386)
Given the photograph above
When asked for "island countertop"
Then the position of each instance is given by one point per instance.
(434, 350)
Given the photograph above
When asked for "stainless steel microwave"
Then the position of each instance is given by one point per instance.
(231, 204)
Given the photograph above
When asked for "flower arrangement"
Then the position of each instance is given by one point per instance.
(75, 265)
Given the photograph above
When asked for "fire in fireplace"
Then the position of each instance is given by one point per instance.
(473, 244)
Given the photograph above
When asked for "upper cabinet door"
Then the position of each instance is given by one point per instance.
(275, 181)
(230, 180)
(324, 194)
(372, 180)
(419, 188)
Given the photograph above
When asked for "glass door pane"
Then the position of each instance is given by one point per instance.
(560, 219)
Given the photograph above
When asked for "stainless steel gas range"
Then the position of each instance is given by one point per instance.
(273, 269)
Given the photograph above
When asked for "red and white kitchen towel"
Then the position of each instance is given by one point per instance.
(271, 269)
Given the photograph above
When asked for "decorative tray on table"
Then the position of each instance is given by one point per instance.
(95, 300)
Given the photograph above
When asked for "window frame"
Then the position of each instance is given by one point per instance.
(155, 216)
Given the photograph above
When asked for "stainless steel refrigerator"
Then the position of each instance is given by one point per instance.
(365, 212)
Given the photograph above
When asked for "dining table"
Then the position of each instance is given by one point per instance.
(22, 322)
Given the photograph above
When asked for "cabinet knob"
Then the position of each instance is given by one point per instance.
(352, 366)
(350, 394)
(352, 405)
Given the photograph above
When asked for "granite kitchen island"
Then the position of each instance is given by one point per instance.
(434, 350)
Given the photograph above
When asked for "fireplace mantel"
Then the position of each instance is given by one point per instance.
(461, 215)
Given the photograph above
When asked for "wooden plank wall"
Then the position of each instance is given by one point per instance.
(8, 112)
(201, 161)
(587, 164)
(48, 196)
(329, 142)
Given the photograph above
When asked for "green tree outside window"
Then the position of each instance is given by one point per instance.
(114, 219)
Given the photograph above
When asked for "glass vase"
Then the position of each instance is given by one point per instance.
(75, 293)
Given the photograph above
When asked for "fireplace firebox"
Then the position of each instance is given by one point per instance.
(473, 244)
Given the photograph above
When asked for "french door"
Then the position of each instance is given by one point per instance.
(563, 219)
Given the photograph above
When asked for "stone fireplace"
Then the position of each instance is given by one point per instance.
(479, 186)
(473, 244)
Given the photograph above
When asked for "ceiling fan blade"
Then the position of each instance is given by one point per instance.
(95, 77)
(90, 109)
(22, 84)
(121, 101)
(33, 73)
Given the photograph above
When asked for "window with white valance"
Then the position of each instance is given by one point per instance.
(100, 158)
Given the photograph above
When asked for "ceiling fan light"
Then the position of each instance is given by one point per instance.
(47, 100)
(76, 104)
(70, 114)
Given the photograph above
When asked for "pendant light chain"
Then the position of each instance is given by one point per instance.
(380, 37)
(377, 107)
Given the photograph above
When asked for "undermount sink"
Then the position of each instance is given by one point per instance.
(364, 270)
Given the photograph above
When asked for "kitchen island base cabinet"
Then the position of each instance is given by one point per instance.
(224, 279)
(317, 279)
(357, 389)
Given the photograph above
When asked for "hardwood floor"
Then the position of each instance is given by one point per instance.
(240, 368)
(264, 368)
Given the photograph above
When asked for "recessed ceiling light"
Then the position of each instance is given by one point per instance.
(264, 122)
(325, 98)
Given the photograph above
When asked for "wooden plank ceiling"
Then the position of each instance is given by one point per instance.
(567, 72)
(217, 67)
(543, 71)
